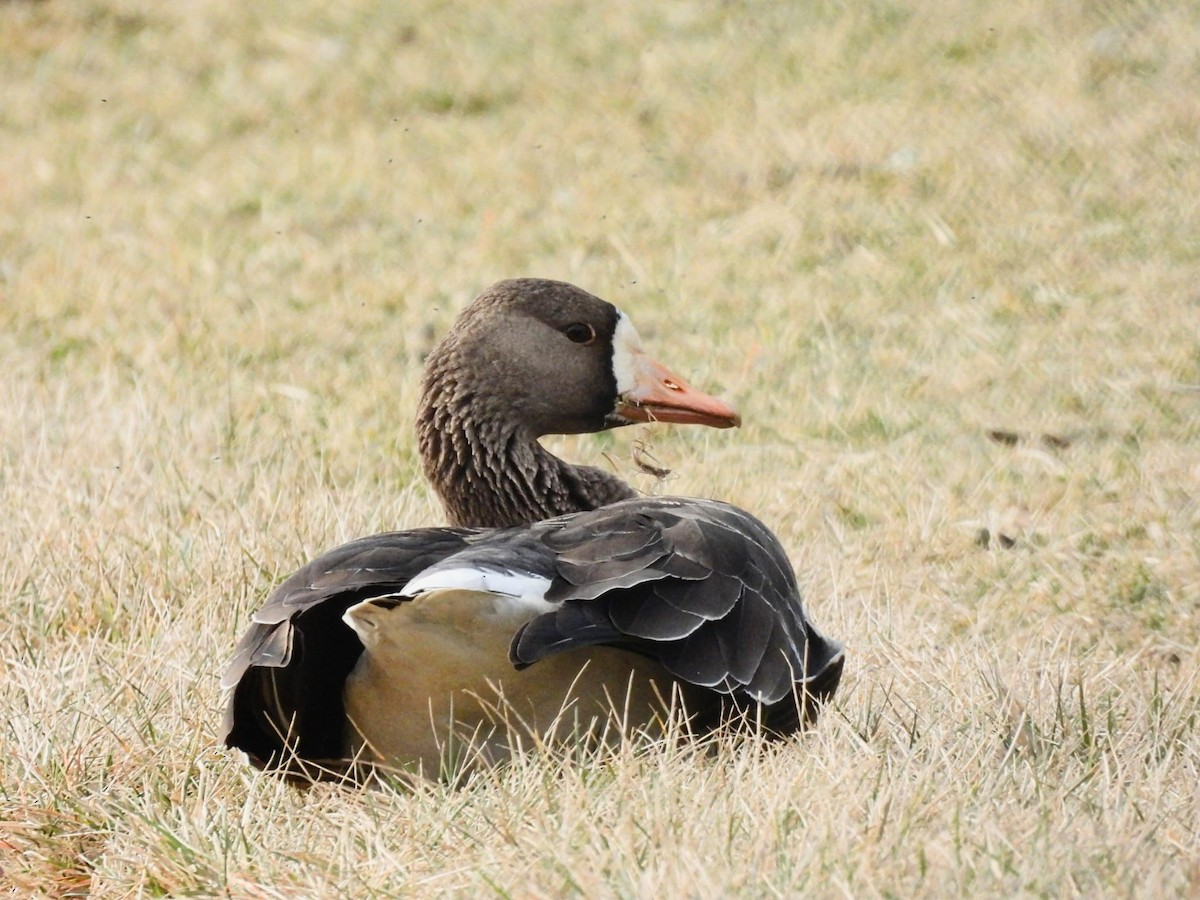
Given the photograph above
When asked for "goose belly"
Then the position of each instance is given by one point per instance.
(434, 689)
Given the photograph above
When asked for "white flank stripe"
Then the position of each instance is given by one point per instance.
(507, 584)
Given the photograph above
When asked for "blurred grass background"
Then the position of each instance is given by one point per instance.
(943, 257)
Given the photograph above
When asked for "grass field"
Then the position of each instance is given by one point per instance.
(945, 258)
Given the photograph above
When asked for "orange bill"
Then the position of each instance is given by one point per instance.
(659, 395)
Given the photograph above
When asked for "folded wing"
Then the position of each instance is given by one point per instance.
(699, 586)
(290, 668)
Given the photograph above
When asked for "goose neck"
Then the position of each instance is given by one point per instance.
(490, 472)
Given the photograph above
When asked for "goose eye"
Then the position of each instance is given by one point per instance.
(580, 333)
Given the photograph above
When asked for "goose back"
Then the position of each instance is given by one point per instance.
(699, 589)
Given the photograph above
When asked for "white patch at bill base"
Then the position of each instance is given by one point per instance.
(627, 346)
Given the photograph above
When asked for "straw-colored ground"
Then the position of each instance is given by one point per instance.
(229, 231)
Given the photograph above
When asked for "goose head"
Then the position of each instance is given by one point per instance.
(531, 357)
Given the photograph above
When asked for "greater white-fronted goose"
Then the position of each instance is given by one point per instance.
(557, 597)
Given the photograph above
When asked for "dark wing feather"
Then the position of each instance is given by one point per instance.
(697, 659)
(577, 625)
(746, 639)
(709, 598)
(700, 586)
(644, 615)
(290, 667)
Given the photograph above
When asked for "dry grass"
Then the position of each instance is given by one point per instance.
(229, 231)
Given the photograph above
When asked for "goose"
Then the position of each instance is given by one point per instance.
(556, 602)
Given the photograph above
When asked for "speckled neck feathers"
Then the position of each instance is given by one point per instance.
(486, 465)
